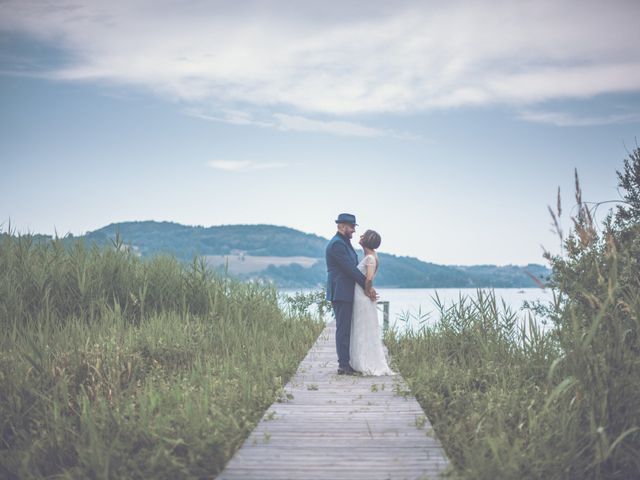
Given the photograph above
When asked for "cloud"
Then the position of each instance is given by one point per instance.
(316, 59)
(234, 117)
(285, 122)
(243, 165)
(565, 119)
(302, 124)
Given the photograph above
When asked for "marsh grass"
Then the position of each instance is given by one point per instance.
(514, 402)
(114, 367)
(510, 400)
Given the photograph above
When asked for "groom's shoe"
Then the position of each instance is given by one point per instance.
(347, 371)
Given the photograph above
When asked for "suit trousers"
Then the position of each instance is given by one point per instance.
(343, 312)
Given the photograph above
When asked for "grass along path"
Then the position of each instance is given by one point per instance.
(94, 386)
(170, 398)
(512, 403)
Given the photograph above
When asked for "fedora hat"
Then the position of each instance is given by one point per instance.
(347, 218)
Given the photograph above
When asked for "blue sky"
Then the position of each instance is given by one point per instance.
(446, 126)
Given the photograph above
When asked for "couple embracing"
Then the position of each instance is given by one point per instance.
(350, 290)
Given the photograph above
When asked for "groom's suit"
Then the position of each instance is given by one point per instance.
(342, 275)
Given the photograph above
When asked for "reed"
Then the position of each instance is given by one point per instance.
(514, 401)
(114, 367)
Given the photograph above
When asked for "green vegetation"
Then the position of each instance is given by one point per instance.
(184, 241)
(514, 402)
(115, 367)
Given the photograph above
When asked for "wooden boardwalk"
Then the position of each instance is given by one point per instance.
(339, 427)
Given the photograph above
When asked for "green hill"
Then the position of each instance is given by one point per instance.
(185, 241)
(293, 259)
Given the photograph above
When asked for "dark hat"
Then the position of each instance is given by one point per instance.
(346, 218)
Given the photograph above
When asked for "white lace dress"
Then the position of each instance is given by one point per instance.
(366, 350)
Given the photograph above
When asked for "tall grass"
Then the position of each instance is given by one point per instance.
(512, 401)
(509, 401)
(114, 367)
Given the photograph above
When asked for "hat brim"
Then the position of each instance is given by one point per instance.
(344, 221)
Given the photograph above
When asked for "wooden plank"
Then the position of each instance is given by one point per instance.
(335, 426)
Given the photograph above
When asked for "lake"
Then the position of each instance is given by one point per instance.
(413, 307)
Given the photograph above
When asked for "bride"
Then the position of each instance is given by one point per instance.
(366, 350)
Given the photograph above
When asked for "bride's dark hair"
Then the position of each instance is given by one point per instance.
(371, 239)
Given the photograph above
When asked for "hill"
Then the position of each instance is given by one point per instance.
(294, 259)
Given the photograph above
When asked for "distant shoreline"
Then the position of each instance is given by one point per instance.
(290, 258)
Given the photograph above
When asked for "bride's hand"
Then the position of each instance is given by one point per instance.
(373, 295)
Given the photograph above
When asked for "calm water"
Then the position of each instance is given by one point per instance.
(413, 307)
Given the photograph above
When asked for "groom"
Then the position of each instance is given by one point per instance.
(342, 275)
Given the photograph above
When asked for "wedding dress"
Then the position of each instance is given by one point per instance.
(366, 350)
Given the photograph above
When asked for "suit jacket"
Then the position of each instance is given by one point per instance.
(342, 269)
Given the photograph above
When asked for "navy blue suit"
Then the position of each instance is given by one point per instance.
(342, 275)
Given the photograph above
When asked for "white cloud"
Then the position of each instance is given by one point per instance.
(234, 117)
(316, 58)
(243, 165)
(286, 122)
(565, 119)
(302, 124)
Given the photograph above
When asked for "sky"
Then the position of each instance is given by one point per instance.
(446, 126)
